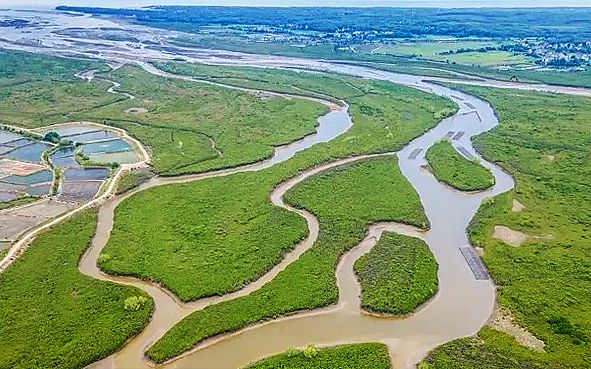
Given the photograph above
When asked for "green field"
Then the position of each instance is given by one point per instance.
(544, 141)
(52, 316)
(398, 275)
(364, 355)
(345, 201)
(433, 50)
(453, 169)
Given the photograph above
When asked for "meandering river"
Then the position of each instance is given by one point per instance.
(463, 303)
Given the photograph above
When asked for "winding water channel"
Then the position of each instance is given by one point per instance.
(461, 307)
(463, 303)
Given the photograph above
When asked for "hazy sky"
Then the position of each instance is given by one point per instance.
(409, 3)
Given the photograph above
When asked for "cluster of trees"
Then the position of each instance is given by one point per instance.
(559, 24)
(516, 48)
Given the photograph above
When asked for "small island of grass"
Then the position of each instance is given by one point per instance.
(398, 275)
(454, 170)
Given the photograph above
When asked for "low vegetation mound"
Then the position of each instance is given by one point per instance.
(364, 355)
(397, 275)
(52, 316)
(456, 171)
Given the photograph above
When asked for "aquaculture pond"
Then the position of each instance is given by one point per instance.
(92, 136)
(7, 196)
(64, 161)
(72, 130)
(64, 157)
(106, 147)
(39, 177)
(31, 153)
(85, 174)
(18, 142)
(80, 190)
(5, 149)
(6, 136)
(123, 157)
(39, 190)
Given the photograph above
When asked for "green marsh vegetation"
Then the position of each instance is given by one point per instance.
(53, 316)
(346, 202)
(355, 356)
(42, 90)
(544, 141)
(202, 239)
(398, 275)
(385, 119)
(182, 116)
(451, 168)
(483, 351)
(235, 210)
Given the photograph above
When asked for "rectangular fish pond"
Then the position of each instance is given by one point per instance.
(92, 136)
(64, 157)
(66, 131)
(31, 153)
(80, 190)
(6, 136)
(123, 157)
(39, 177)
(106, 147)
(77, 174)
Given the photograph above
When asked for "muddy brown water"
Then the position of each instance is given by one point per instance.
(462, 305)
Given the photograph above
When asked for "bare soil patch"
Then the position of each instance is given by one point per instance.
(10, 167)
(509, 236)
(503, 321)
(517, 206)
(515, 238)
(136, 110)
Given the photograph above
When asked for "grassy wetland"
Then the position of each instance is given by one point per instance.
(543, 140)
(201, 239)
(364, 355)
(179, 119)
(453, 169)
(42, 90)
(383, 110)
(386, 116)
(397, 275)
(73, 320)
(345, 204)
